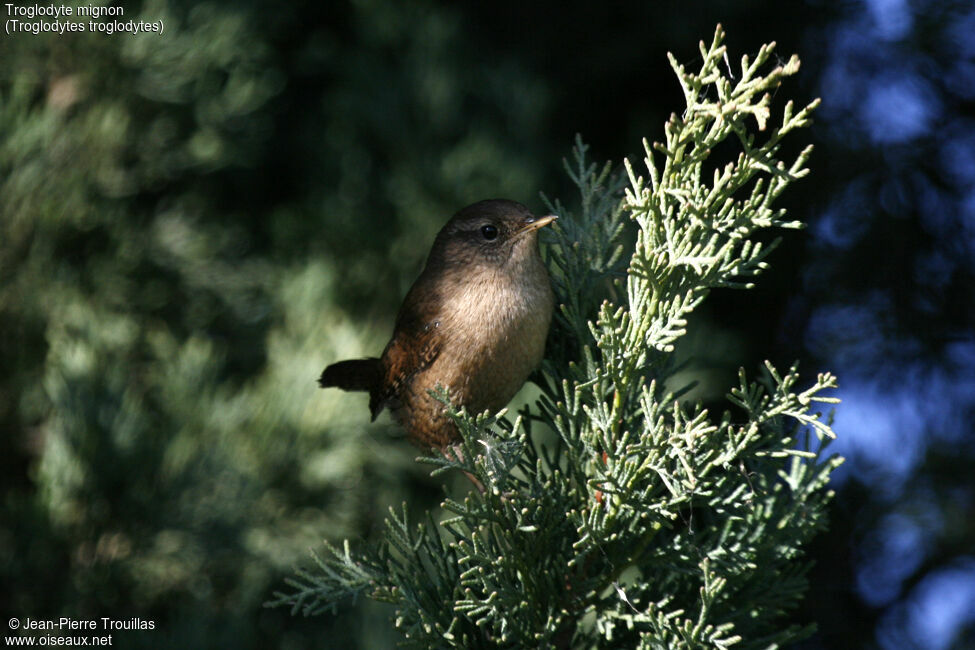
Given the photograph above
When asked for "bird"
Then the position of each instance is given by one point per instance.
(474, 322)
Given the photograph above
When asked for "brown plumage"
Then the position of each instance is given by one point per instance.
(474, 322)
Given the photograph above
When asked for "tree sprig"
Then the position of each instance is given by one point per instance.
(631, 517)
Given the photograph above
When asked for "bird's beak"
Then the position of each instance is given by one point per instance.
(535, 224)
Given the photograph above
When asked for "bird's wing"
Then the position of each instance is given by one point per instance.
(415, 345)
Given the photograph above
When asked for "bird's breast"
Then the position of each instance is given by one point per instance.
(495, 329)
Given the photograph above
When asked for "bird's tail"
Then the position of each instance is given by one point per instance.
(355, 374)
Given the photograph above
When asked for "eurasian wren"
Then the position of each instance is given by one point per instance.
(474, 322)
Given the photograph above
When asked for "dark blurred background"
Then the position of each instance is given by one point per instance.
(193, 224)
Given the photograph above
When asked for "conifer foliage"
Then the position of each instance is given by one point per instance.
(616, 511)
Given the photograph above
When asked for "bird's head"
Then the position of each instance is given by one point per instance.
(493, 233)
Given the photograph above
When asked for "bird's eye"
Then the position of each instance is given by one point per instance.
(489, 232)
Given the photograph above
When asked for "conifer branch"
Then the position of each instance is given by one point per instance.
(643, 520)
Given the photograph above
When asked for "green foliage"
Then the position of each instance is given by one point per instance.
(646, 521)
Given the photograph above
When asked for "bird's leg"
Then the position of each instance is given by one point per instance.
(454, 452)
